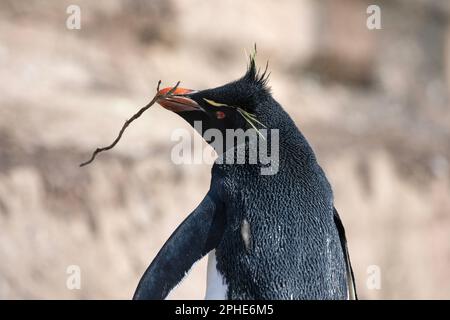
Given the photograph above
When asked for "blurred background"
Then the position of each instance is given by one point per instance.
(374, 104)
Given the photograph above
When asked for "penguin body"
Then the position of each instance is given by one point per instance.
(216, 286)
(293, 249)
(270, 236)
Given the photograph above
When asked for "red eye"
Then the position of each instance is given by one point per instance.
(220, 115)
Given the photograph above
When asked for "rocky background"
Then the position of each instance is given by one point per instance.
(373, 103)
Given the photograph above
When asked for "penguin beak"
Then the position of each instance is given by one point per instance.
(179, 100)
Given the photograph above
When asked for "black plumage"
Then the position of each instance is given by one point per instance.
(278, 236)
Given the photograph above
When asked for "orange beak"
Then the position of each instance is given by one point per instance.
(178, 102)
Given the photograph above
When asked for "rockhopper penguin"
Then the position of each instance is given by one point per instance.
(272, 236)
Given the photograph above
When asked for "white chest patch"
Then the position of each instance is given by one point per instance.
(216, 288)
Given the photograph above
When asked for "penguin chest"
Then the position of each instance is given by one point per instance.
(216, 288)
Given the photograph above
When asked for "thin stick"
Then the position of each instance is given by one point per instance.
(134, 117)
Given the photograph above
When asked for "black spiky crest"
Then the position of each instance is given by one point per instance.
(254, 76)
(245, 93)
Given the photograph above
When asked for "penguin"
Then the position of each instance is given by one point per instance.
(267, 236)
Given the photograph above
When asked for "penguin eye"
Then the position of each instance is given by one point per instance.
(220, 115)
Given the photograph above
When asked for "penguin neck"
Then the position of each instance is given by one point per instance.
(292, 144)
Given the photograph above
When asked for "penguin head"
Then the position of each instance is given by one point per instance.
(235, 105)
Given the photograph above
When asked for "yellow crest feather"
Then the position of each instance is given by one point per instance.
(215, 104)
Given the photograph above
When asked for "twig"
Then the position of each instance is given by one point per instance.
(134, 117)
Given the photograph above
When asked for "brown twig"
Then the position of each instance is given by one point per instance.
(127, 123)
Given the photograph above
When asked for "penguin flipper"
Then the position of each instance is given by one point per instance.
(351, 286)
(198, 234)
